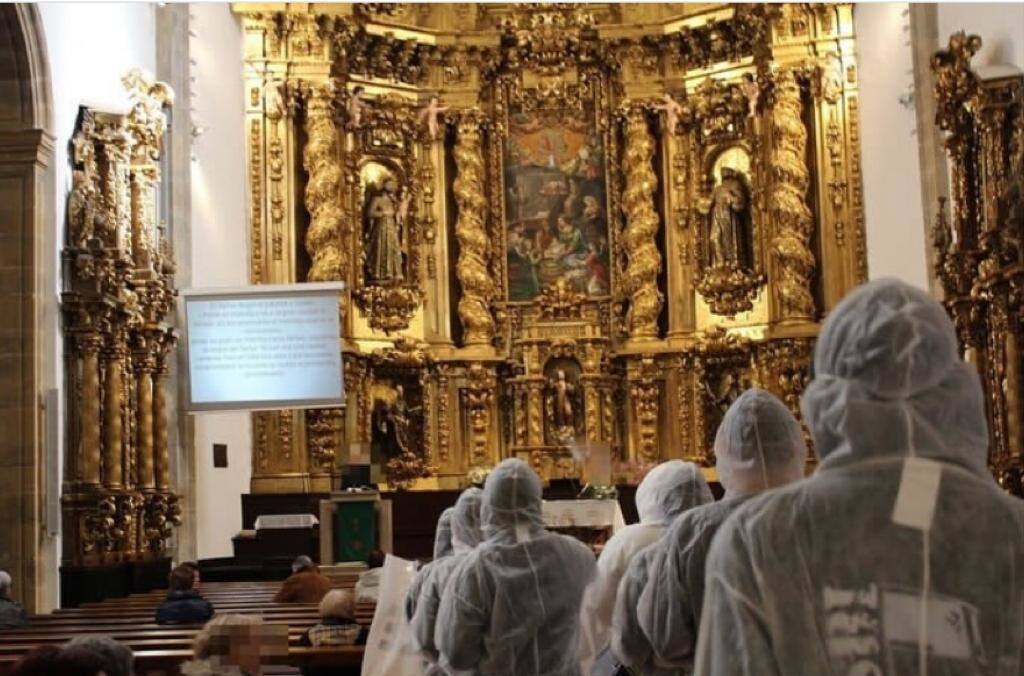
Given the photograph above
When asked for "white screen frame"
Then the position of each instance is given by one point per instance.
(304, 290)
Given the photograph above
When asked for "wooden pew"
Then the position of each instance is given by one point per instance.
(160, 649)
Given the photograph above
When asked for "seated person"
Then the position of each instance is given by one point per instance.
(11, 613)
(306, 584)
(368, 583)
(337, 622)
(183, 604)
(194, 567)
(235, 645)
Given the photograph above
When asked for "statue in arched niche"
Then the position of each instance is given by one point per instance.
(384, 213)
(563, 400)
(729, 215)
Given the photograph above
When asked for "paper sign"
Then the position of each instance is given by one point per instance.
(390, 650)
(919, 490)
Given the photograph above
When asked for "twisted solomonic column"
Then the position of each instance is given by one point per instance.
(787, 204)
(643, 258)
(471, 269)
(322, 162)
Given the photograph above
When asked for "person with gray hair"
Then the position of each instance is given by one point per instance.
(118, 659)
(306, 584)
(900, 554)
(11, 613)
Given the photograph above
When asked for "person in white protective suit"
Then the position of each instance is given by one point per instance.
(432, 578)
(759, 445)
(667, 491)
(442, 548)
(443, 534)
(511, 608)
(900, 555)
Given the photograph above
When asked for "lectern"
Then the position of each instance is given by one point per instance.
(352, 524)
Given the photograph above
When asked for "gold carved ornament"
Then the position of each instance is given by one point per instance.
(721, 120)
(640, 278)
(322, 161)
(787, 202)
(474, 245)
(979, 256)
(119, 290)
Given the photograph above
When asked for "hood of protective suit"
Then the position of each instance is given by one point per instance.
(443, 534)
(889, 382)
(465, 521)
(670, 489)
(511, 509)
(759, 445)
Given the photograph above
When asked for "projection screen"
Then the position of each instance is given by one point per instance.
(263, 347)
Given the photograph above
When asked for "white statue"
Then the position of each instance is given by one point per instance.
(752, 91)
(274, 97)
(672, 111)
(430, 114)
(355, 108)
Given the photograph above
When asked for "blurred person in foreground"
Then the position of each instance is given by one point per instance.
(900, 555)
(236, 645)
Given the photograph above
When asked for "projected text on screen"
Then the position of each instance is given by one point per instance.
(248, 351)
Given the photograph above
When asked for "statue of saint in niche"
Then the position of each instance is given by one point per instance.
(384, 216)
(730, 219)
(392, 422)
(563, 405)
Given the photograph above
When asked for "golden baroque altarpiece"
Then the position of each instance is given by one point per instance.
(117, 303)
(555, 221)
(980, 241)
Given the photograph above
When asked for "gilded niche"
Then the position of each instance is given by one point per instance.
(583, 216)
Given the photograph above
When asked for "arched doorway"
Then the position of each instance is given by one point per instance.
(26, 213)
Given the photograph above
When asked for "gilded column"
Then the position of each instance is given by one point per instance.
(642, 223)
(788, 210)
(470, 230)
(113, 450)
(144, 430)
(322, 161)
(161, 469)
(89, 411)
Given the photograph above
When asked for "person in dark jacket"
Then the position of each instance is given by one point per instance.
(306, 584)
(183, 604)
(11, 613)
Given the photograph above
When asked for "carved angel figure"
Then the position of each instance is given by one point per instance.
(383, 225)
(356, 105)
(730, 209)
(274, 98)
(430, 114)
(673, 111)
(752, 91)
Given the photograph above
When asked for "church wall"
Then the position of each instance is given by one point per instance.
(1000, 25)
(219, 255)
(83, 69)
(889, 152)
